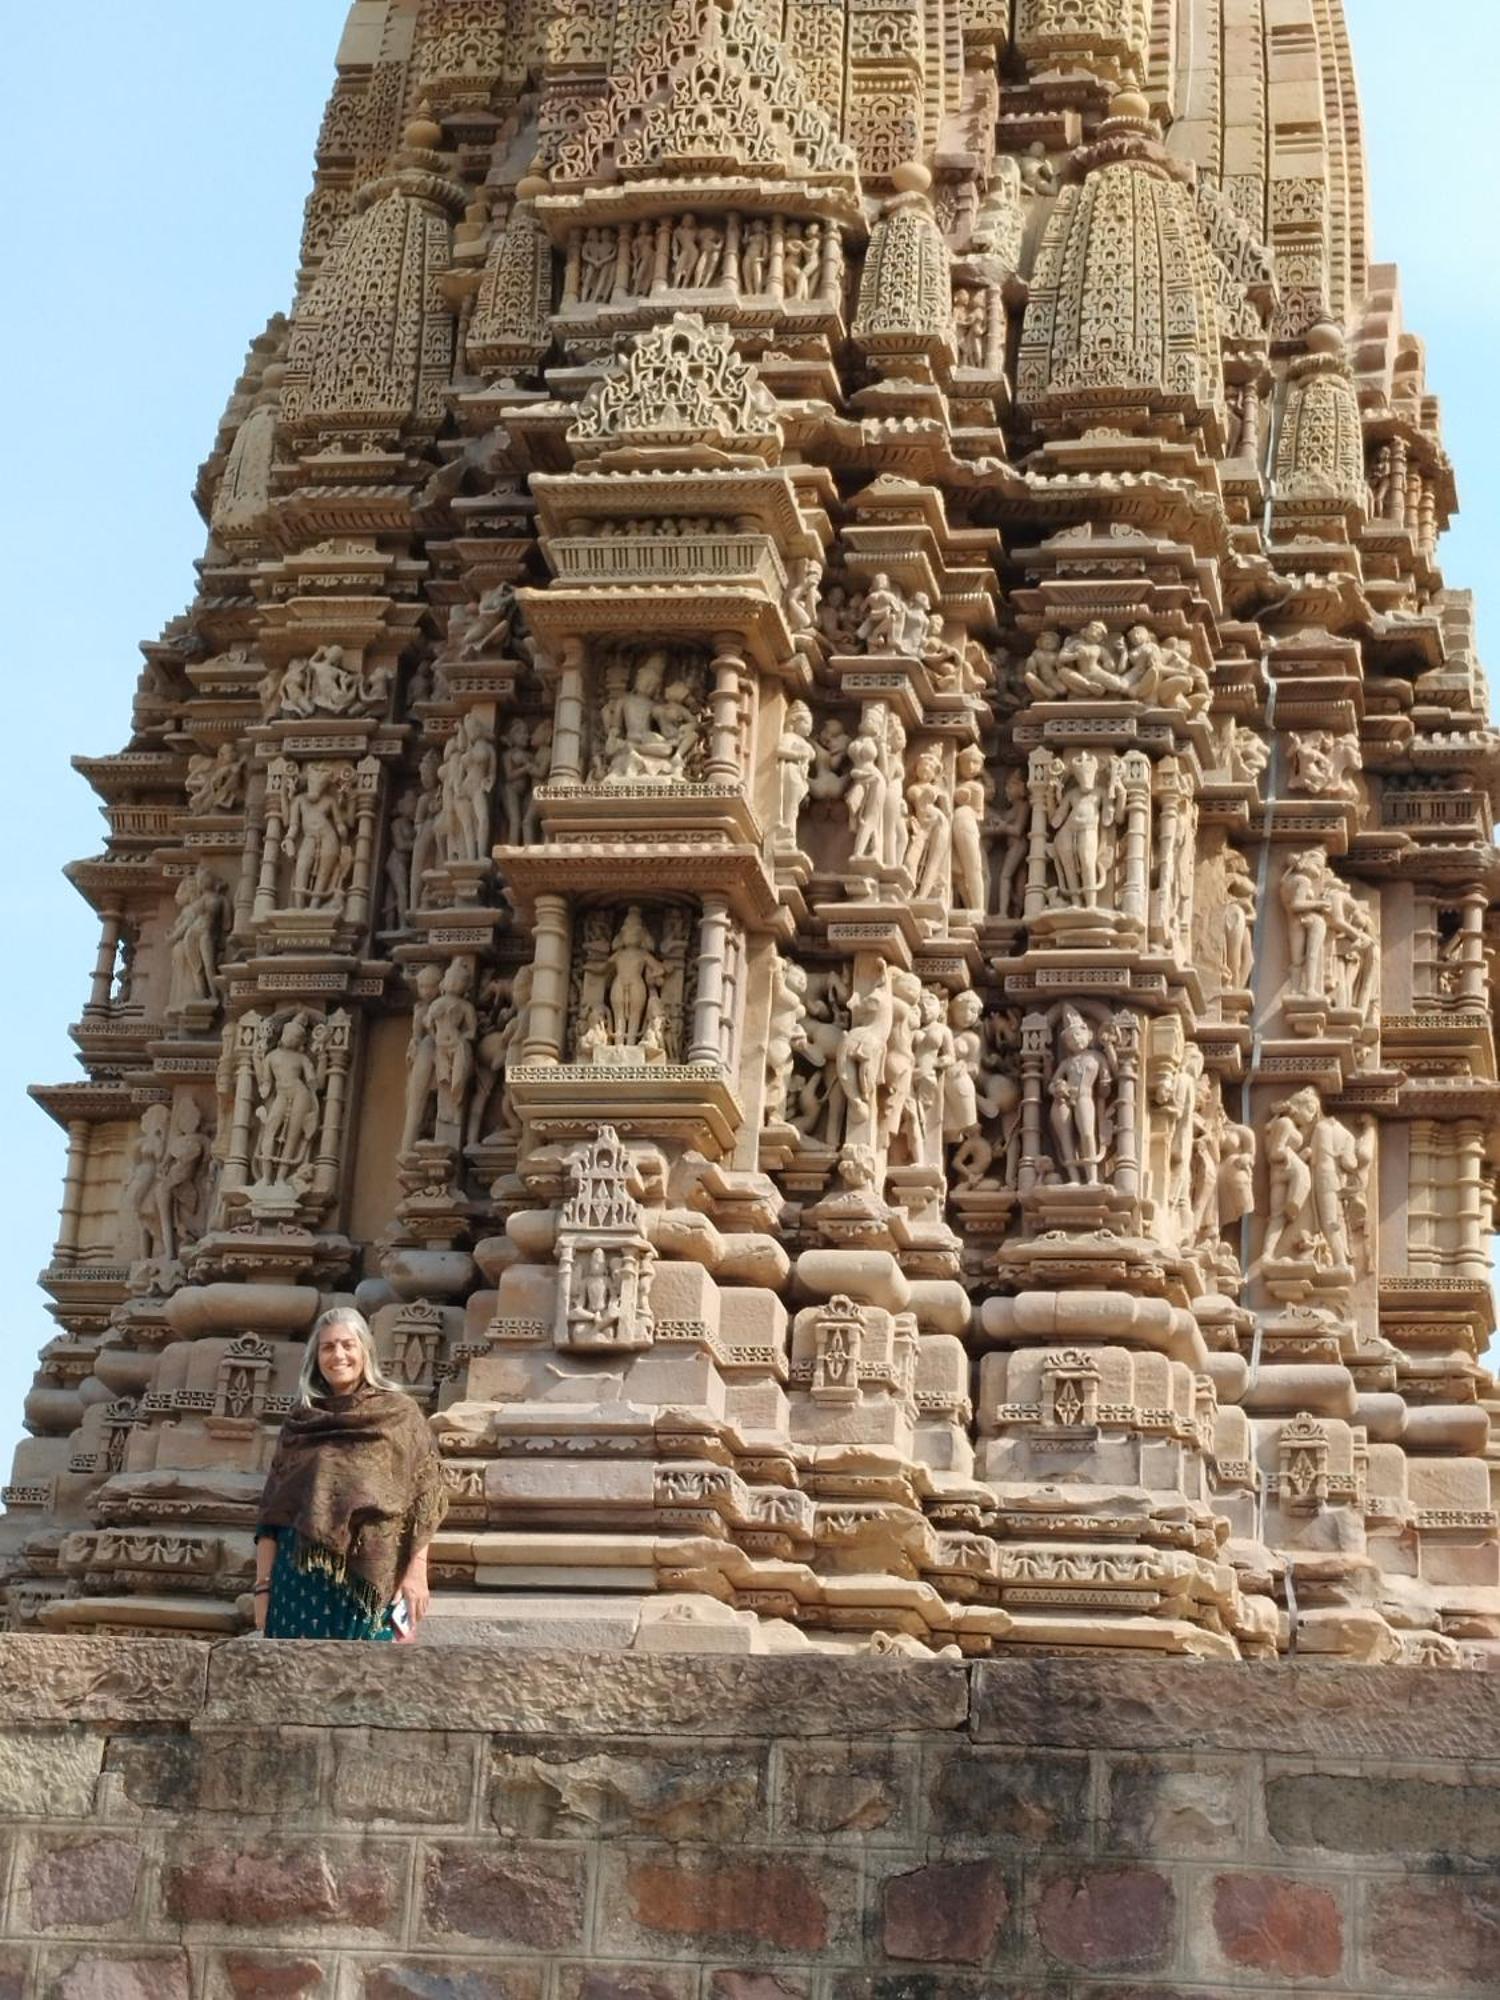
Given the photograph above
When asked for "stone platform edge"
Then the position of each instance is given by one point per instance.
(1284, 1708)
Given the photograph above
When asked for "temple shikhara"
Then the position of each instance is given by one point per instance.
(822, 825)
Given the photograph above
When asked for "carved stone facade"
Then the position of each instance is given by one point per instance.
(823, 826)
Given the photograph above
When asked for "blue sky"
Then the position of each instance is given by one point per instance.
(154, 230)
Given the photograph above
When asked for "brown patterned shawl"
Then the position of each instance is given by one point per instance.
(359, 1482)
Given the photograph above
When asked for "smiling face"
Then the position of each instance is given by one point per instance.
(341, 1357)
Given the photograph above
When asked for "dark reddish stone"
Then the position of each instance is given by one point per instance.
(768, 1902)
(1438, 1936)
(84, 1883)
(285, 1886)
(1270, 1923)
(252, 1976)
(510, 1894)
(1108, 1920)
(950, 1912)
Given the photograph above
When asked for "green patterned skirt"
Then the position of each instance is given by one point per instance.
(310, 1604)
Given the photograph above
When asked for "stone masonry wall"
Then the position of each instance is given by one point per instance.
(258, 1820)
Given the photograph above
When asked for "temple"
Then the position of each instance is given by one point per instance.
(822, 825)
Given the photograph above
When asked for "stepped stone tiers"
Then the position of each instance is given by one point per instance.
(823, 826)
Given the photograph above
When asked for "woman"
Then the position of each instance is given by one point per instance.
(353, 1497)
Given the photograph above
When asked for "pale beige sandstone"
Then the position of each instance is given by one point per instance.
(823, 825)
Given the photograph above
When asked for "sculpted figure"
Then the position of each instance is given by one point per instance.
(596, 265)
(635, 974)
(755, 256)
(487, 628)
(1084, 799)
(1252, 753)
(934, 1059)
(785, 1035)
(318, 832)
(795, 761)
(1307, 899)
(541, 766)
(144, 1229)
(643, 259)
(1041, 672)
(1012, 826)
(1287, 1133)
(1323, 763)
(819, 1110)
(861, 1058)
(1239, 921)
(466, 780)
(684, 251)
(421, 1055)
(515, 779)
(802, 594)
(1079, 1089)
(970, 887)
(830, 759)
(898, 1113)
(425, 828)
(883, 623)
(502, 1008)
(452, 1024)
(401, 838)
(196, 938)
(650, 727)
(287, 1083)
(931, 831)
(865, 790)
(216, 784)
(890, 733)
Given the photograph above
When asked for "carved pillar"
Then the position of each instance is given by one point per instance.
(708, 1006)
(724, 761)
(567, 741)
(547, 1014)
(101, 983)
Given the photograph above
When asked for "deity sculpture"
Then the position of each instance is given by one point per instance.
(796, 759)
(289, 1078)
(1081, 1090)
(318, 834)
(197, 937)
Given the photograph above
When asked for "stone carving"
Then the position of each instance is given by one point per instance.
(681, 384)
(197, 938)
(1318, 1202)
(650, 720)
(853, 600)
(604, 1259)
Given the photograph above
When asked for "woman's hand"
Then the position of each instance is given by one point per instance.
(261, 1600)
(414, 1588)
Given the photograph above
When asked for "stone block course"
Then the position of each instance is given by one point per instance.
(905, 1861)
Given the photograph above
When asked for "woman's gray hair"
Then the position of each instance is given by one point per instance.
(311, 1388)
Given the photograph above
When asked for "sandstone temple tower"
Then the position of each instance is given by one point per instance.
(823, 826)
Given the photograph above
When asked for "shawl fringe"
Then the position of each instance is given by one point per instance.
(313, 1559)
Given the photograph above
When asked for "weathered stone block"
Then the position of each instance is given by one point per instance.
(283, 1683)
(83, 1679)
(1430, 1937)
(853, 1791)
(625, 1982)
(126, 1973)
(739, 1901)
(1105, 1919)
(1007, 1799)
(1273, 1925)
(258, 1975)
(444, 1979)
(416, 1778)
(86, 1882)
(756, 1983)
(1453, 1819)
(294, 1887)
(1184, 1805)
(708, 1793)
(949, 1912)
(49, 1772)
(528, 1896)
